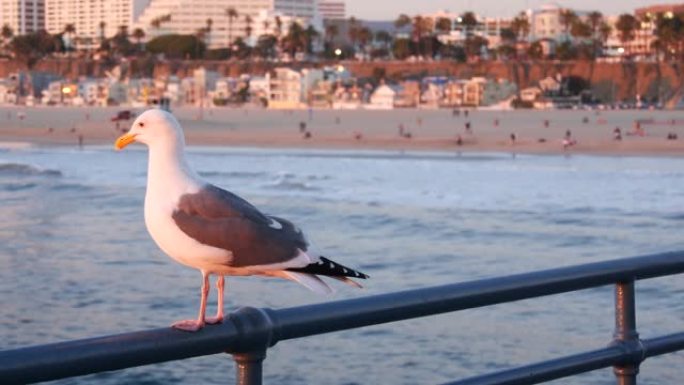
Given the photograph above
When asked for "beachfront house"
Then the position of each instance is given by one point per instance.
(383, 97)
(320, 95)
(408, 95)
(453, 93)
(289, 89)
(497, 91)
(347, 96)
(205, 82)
(259, 89)
(8, 93)
(432, 96)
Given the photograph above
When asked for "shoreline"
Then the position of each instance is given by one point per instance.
(431, 130)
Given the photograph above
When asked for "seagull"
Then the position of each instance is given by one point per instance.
(211, 229)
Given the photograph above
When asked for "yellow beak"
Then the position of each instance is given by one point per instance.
(124, 140)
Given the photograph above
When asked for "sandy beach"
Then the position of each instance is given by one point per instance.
(408, 129)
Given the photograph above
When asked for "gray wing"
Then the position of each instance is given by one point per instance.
(221, 219)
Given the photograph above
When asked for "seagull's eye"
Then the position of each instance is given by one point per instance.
(141, 124)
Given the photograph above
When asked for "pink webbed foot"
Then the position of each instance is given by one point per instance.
(189, 325)
(214, 320)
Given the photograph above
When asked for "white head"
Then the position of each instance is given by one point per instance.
(153, 128)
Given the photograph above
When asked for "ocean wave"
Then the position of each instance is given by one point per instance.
(232, 174)
(287, 181)
(21, 169)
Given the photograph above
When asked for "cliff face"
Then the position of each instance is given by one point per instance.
(609, 81)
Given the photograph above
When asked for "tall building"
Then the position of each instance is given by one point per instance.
(190, 16)
(92, 19)
(332, 10)
(22, 16)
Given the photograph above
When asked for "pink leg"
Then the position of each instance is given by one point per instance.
(220, 283)
(195, 325)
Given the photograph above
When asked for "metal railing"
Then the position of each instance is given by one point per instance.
(248, 332)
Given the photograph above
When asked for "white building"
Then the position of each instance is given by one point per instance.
(189, 16)
(332, 10)
(92, 19)
(382, 98)
(290, 89)
(22, 16)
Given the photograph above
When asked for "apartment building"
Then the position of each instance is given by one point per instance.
(332, 10)
(93, 20)
(22, 16)
(223, 26)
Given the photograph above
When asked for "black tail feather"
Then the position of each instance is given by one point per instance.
(330, 269)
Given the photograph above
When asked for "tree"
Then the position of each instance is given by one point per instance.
(231, 15)
(310, 34)
(469, 21)
(402, 21)
(176, 46)
(138, 35)
(520, 25)
(70, 30)
(626, 26)
(384, 37)
(278, 27)
(595, 20)
(567, 18)
(248, 26)
(443, 25)
(32, 47)
(265, 46)
(6, 34)
(353, 31)
(103, 25)
(294, 41)
(365, 36)
(535, 51)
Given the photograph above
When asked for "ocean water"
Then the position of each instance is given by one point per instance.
(76, 260)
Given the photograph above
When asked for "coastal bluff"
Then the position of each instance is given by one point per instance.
(609, 81)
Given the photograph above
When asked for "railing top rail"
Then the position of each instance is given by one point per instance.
(250, 328)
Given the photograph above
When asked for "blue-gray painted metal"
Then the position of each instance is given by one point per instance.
(578, 363)
(251, 330)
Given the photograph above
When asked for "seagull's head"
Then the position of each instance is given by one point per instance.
(153, 128)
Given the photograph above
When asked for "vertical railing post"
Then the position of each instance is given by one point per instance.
(257, 329)
(626, 333)
(248, 367)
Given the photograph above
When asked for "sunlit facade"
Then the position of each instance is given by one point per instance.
(93, 19)
(22, 16)
(190, 16)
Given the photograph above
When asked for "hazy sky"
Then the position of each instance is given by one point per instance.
(390, 9)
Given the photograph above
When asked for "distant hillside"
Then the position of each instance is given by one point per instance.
(608, 80)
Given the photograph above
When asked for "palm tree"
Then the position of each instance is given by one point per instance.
(248, 27)
(567, 18)
(103, 24)
(626, 26)
(402, 21)
(231, 14)
(7, 34)
(138, 35)
(294, 41)
(365, 36)
(310, 34)
(69, 30)
(278, 27)
(443, 25)
(207, 29)
(384, 37)
(353, 31)
(520, 25)
(595, 19)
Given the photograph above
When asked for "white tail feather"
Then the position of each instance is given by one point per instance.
(309, 281)
(348, 281)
